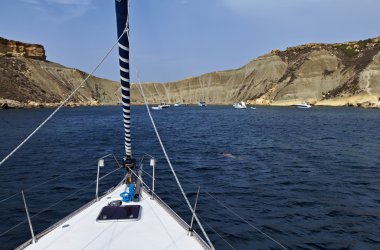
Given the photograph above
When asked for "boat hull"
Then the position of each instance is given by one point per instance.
(158, 228)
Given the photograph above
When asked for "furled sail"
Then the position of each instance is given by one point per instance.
(122, 32)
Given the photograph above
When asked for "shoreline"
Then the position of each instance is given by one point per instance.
(361, 101)
(6, 106)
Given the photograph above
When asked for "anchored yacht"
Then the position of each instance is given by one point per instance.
(240, 105)
(304, 105)
(202, 104)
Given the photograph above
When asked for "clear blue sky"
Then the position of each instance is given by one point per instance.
(175, 39)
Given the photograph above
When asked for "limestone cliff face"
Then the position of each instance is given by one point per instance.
(322, 74)
(18, 49)
(27, 80)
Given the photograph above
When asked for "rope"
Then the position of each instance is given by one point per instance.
(54, 204)
(181, 203)
(63, 103)
(229, 209)
(18, 224)
(37, 185)
(9, 197)
(244, 220)
(171, 167)
(104, 176)
(248, 223)
(52, 179)
(58, 202)
(218, 234)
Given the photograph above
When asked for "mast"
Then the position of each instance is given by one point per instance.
(122, 21)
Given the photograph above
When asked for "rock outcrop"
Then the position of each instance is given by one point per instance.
(28, 80)
(18, 49)
(322, 74)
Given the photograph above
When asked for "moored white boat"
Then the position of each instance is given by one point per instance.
(304, 105)
(161, 106)
(164, 105)
(202, 104)
(240, 105)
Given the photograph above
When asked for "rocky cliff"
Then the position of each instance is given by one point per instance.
(28, 80)
(18, 49)
(322, 74)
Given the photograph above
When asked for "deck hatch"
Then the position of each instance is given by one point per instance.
(119, 213)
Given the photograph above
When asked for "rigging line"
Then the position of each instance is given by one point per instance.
(181, 203)
(18, 224)
(254, 227)
(54, 204)
(244, 220)
(217, 234)
(45, 209)
(37, 185)
(104, 176)
(171, 167)
(13, 195)
(247, 222)
(148, 175)
(64, 102)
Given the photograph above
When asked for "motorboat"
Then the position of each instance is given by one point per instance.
(164, 105)
(304, 105)
(240, 105)
(161, 106)
(202, 104)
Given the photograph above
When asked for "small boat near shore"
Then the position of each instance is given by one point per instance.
(202, 104)
(304, 105)
(161, 106)
(240, 105)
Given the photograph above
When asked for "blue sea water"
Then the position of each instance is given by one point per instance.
(309, 178)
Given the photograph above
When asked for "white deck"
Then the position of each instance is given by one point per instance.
(156, 229)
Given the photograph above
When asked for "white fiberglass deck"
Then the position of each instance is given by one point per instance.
(156, 229)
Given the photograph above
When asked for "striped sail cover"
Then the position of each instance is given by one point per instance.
(122, 25)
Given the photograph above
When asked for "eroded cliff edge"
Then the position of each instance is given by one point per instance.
(323, 74)
(27, 79)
